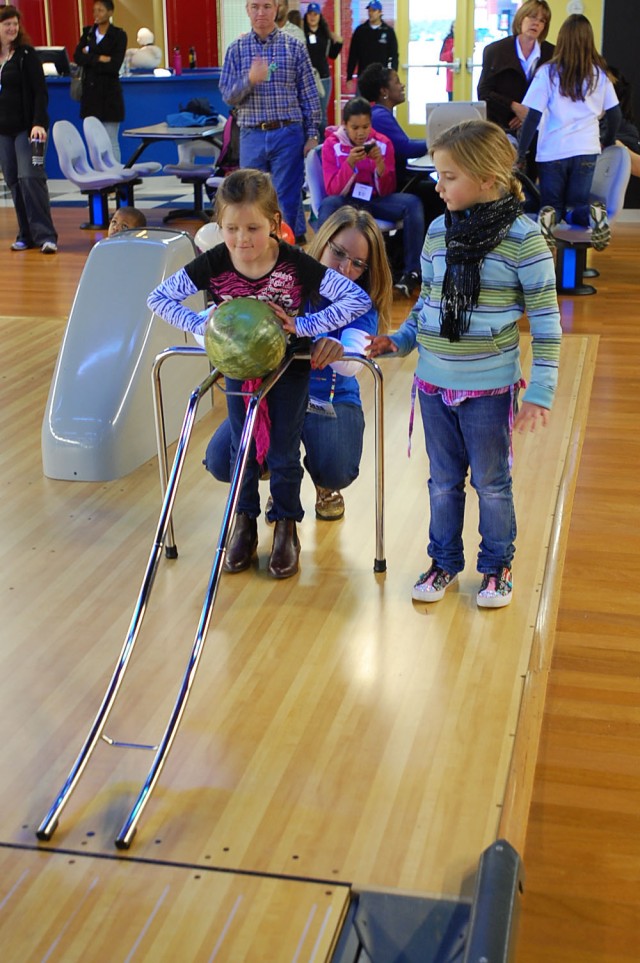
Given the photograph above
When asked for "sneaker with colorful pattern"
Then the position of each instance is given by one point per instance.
(547, 220)
(432, 585)
(496, 589)
(600, 229)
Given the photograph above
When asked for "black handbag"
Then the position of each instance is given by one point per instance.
(75, 86)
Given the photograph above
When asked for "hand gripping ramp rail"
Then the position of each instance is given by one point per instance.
(124, 838)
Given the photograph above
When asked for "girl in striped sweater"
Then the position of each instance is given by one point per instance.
(484, 264)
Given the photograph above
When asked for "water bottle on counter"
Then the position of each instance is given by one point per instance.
(193, 60)
(177, 61)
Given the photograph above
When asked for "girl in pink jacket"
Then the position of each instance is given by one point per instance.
(358, 167)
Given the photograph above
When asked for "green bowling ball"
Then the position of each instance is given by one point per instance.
(244, 339)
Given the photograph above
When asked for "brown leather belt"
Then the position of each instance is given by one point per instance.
(273, 124)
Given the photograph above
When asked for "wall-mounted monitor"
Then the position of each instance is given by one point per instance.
(55, 61)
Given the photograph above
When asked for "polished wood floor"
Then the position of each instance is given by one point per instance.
(581, 900)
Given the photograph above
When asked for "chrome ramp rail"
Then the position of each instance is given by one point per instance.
(124, 838)
(379, 562)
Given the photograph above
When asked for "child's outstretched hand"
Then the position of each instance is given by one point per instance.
(379, 344)
(530, 416)
(287, 322)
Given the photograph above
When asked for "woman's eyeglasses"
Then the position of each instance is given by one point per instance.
(341, 255)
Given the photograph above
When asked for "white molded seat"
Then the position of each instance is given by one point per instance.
(74, 164)
(101, 152)
(72, 157)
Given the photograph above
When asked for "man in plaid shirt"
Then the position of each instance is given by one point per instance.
(267, 77)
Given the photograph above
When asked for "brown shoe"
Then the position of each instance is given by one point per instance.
(286, 549)
(329, 505)
(242, 544)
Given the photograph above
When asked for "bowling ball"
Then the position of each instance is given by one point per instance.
(287, 234)
(208, 236)
(244, 339)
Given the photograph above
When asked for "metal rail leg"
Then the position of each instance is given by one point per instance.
(48, 825)
(161, 436)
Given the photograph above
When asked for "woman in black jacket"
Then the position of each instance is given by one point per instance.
(23, 118)
(508, 65)
(100, 53)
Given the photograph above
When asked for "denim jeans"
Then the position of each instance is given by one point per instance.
(333, 448)
(287, 403)
(393, 207)
(28, 186)
(327, 83)
(565, 185)
(474, 435)
(280, 153)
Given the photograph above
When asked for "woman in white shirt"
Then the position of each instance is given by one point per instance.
(566, 98)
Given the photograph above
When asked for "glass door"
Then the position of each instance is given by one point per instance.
(444, 48)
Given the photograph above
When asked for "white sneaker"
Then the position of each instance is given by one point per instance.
(432, 585)
(49, 247)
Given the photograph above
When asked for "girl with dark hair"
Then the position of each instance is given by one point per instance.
(358, 168)
(24, 118)
(382, 87)
(100, 53)
(565, 99)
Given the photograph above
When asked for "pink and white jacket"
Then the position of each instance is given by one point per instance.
(339, 177)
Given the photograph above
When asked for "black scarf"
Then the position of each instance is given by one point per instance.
(469, 236)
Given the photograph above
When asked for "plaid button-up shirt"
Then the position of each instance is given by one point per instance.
(290, 93)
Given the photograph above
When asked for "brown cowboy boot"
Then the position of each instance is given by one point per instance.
(242, 544)
(283, 562)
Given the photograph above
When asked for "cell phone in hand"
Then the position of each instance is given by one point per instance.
(368, 148)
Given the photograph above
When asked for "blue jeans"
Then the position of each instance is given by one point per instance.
(565, 185)
(327, 83)
(474, 435)
(28, 186)
(333, 448)
(392, 207)
(287, 403)
(280, 153)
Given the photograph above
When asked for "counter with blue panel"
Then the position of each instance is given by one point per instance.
(147, 100)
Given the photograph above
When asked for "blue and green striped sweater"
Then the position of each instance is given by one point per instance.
(517, 277)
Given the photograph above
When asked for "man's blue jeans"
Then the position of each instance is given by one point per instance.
(475, 435)
(565, 185)
(287, 403)
(333, 448)
(392, 207)
(280, 153)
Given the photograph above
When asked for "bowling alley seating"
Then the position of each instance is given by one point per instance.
(97, 185)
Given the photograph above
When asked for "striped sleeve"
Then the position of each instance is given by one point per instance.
(166, 301)
(346, 300)
(537, 276)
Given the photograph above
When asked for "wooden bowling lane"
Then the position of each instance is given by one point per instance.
(64, 908)
(336, 730)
